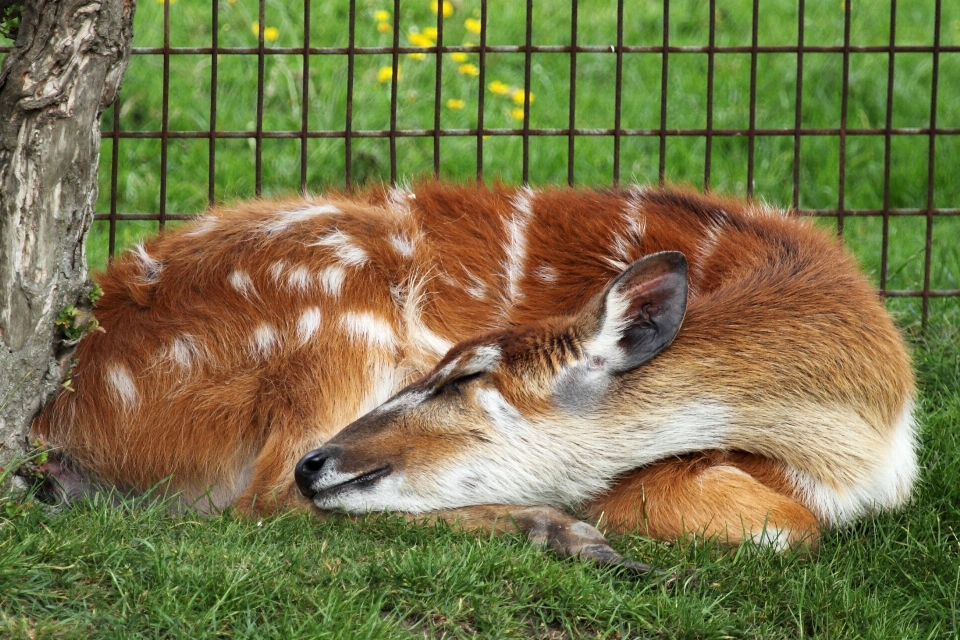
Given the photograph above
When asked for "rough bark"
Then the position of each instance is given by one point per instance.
(65, 68)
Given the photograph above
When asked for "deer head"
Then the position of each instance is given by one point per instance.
(518, 416)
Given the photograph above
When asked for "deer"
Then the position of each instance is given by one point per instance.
(649, 360)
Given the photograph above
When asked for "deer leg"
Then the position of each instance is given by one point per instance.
(272, 488)
(544, 526)
(734, 497)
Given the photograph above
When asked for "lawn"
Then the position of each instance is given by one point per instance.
(140, 570)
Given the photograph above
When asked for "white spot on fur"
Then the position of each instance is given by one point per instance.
(241, 281)
(151, 266)
(369, 328)
(546, 274)
(299, 278)
(123, 384)
(263, 341)
(349, 254)
(516, 248)
(277, 269)
(402, 245)
(308, 324)
(184, 351)
(331, 280)
(287, 219)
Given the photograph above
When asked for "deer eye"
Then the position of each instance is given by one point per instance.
(454, 385)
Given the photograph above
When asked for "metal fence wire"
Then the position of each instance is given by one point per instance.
(682, 127)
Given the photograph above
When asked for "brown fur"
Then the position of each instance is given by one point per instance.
(711, 494)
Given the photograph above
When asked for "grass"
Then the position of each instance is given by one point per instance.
(141, 570)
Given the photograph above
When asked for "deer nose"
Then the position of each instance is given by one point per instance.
(308, 469)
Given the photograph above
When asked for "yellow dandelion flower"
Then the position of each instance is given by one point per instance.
(379, 16)
(473, 25)
(499, 88)
(430, 32)
(269, 33)
(517, 113)
(385, 74)
(170, 1)
(455, 104)
(459, 56)
(384, 27)
(469, 69)
(447, 7)
(417, 56)
(233, 1)
(518, 96)
(419, 39)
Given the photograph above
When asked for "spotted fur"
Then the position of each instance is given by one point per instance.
(240, 343)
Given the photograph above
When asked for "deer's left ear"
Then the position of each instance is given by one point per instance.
(640, 312)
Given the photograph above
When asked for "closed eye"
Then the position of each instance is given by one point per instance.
(454, 385)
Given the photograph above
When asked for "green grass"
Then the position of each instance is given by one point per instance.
(138, 570)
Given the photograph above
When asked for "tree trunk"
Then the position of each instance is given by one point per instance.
(65, 68)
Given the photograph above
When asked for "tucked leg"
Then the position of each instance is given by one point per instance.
(545, 526)
(732, 496)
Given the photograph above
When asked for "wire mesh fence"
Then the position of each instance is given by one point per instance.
(847, 111)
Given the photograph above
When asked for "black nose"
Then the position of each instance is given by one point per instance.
(307, 470)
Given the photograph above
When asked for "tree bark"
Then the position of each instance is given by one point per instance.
(65, 69)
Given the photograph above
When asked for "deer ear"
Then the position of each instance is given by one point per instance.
(640, 312)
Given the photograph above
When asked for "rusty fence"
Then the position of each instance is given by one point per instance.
(935, 55)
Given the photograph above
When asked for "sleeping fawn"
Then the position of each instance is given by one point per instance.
(660, 361)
